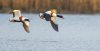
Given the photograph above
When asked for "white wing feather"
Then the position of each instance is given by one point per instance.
(26, 26)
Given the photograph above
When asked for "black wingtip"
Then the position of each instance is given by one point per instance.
(55, 26)
(57, 30)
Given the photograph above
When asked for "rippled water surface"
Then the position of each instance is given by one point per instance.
(76, 33)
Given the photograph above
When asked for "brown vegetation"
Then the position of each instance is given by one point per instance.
(63, 6)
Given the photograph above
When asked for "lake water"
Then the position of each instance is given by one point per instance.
(76, 33)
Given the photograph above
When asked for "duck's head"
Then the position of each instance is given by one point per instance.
(41, 14)
(11, 20)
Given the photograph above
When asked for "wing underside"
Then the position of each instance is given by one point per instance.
(54, 24)
(26, 26)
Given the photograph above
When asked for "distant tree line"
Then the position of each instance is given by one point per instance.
(63, 6)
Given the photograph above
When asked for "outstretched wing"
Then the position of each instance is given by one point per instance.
(54, 24)
(26, 26)
(16, 13)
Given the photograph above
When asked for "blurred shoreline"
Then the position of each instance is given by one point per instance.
(62, 6)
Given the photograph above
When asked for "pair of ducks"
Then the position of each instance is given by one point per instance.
(17, 17)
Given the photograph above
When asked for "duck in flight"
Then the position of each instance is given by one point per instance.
(51, 16)
(17, 17)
